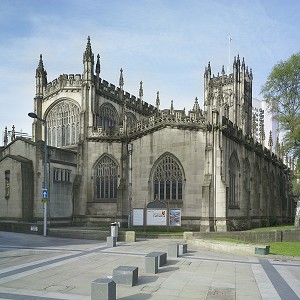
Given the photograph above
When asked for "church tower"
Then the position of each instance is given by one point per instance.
(227, 99)
(229, 95)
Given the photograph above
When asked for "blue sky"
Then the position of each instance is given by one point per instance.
(164, 43)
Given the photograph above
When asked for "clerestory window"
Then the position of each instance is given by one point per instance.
(168, 179)
(107, 117)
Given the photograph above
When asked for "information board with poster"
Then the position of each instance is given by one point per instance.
(138, 217)
(156, 217)
(175, 217)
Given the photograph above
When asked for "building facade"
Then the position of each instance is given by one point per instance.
(111, 152)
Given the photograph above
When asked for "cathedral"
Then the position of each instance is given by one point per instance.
(109, 154)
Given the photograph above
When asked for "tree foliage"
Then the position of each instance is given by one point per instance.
(282, 94)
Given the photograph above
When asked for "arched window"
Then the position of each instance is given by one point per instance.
(234, 168)
(106, 178)
(247, 182)
(131, 120)
(168, 179)
(256, 188)
(107, 116)
(63, 121)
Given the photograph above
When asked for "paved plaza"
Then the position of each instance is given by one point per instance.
(46, 268)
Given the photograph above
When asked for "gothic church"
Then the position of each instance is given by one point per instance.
(110, 152)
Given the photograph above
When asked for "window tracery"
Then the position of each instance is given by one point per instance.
(63, 124)
(168, 179)
(107, 116)
(106, 179)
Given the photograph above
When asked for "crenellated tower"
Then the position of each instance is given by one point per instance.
(229, 95)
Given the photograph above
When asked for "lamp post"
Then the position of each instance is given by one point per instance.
(130, 148)
(44, 187)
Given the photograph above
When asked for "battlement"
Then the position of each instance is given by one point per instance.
(115, 94)
(64, 80)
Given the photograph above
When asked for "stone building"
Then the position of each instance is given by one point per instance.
(111, 152)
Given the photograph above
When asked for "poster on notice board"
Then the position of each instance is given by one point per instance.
(156, 217)
(138, 217)
(175, 217)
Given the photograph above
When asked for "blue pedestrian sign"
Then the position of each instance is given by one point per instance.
(44, 193)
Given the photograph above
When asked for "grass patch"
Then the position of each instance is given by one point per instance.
(278, 248)
(285, 248)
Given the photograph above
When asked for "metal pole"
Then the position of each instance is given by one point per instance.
(45, 175)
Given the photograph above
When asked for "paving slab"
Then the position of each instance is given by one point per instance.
(47, 268)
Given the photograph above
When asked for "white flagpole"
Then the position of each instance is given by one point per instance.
(229, 46)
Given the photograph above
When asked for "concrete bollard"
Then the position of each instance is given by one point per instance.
(130, 236)
(173, 250)
(111, 241)
(182, 249)
(151, 263)
(127, 275)
(103, 289)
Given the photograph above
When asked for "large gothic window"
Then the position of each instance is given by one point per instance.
(106, 178)
(107, 116)
(234, 181)
(63, 124)
(168, 179)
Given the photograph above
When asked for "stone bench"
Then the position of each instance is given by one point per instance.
(127, 275)
(103, 289)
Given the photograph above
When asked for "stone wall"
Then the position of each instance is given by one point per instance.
(292, 235)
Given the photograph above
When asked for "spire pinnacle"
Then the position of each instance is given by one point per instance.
(141, 91)
(196, 106)
(172, 107)
(88, 55)
(157, 100)
(5, 136)
(13, 133)
(41, 65)
(121, 80)
(98, 64)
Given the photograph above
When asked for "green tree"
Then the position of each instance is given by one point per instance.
(282, 94)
